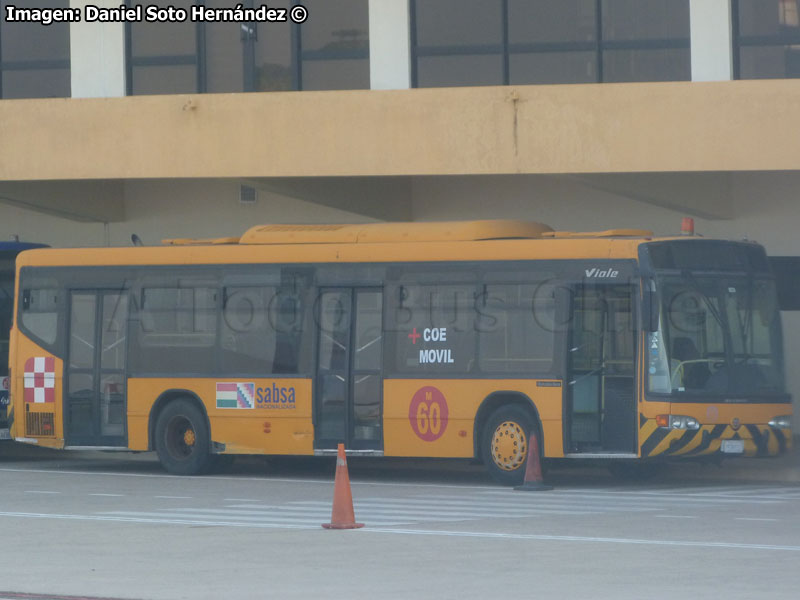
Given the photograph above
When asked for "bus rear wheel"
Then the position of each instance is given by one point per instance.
(182, 439)
(504, 444)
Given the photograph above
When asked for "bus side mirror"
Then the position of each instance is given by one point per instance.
(650, 306)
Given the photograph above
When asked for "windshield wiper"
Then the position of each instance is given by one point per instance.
(710, 305)
(746, 324)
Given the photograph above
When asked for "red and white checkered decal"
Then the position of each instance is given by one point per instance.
(40, 379)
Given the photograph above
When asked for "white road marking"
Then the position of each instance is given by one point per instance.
(213, 517)
(146, 520)
(445, 504)
(250, 477)
(594, 540)
(444, 533)
(426, 508)
(440, 507)
(747, 493)
(516, 502)
(752, 496)
(673, 498)
(423, 513)
(109, 495)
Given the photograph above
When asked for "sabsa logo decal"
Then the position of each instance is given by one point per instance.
(598, 273)
(275, 397)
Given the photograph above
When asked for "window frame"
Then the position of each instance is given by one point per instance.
(739, 41)
(35, 65)
(165, 60)
(506, 49)
(198, 59)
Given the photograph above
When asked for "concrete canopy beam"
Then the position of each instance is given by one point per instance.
(84, 201)
(653, 127)
(382, 198)
(704, 195)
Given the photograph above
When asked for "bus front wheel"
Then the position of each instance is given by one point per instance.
(182, 440)
(504, 444)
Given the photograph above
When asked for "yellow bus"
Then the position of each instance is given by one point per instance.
(458, 339)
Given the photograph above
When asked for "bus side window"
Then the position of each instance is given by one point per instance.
(261, 330)
(247, 338)
(40, 313)
(515, 330)
(288, 332)
(432, 327)
(176, 330)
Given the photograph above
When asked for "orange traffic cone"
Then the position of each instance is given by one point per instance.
(533, 470)
(342, 515)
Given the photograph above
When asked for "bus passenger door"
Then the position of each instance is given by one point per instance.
(94, 382)
(348, 406)
(600, 402)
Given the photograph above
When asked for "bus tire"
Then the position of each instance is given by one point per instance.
(182, 440)
(504, 444)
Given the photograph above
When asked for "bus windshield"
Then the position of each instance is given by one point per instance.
(720, 335)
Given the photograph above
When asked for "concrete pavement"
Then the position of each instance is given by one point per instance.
(783, 469)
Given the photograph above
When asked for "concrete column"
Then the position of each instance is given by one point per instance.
(389, 44)
(97, 54)
(712, 53)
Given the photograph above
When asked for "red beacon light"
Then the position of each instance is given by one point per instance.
(687, 226)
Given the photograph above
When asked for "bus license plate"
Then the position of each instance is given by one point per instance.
(732, 446)
(5, 434)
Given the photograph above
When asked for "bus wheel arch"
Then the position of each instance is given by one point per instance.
(181, 433)
(507, 419)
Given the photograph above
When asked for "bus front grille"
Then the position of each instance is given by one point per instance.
(39, 424)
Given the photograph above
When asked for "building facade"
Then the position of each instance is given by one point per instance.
(583, 114)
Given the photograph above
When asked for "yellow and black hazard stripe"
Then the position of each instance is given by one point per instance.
(759, 440)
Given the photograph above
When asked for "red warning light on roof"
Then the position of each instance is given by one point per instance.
(687, 226)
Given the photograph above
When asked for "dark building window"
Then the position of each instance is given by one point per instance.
(459, 42)
(247, 57)
(766, 37)
(492, 42)
(34, 59)
(224, 45)
(645, 40)
(330, 50)
(162, 58)
(553, 42)
(334, 45)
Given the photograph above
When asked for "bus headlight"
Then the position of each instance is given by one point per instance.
(782, 422)
(677, 422)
